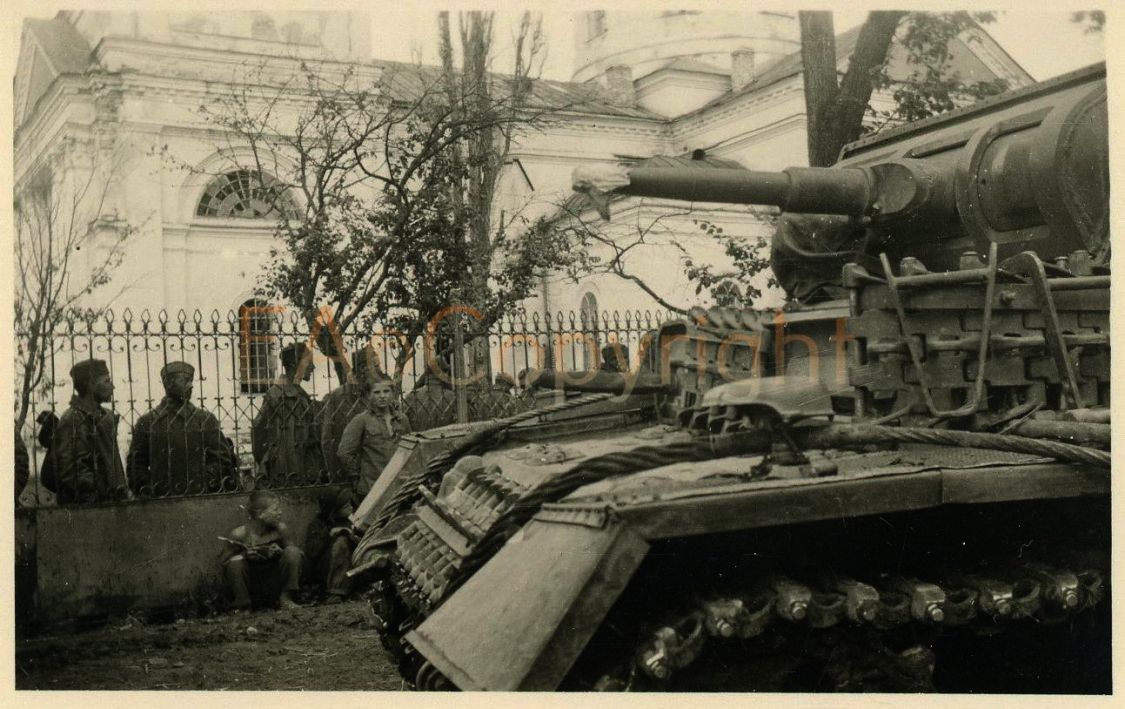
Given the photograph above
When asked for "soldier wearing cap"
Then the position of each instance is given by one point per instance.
(341, 406)
(615, 358)
(370, 438)
(285, 440)
(85, 462)
(178, 448)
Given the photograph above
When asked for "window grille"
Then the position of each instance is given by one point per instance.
(255, 346)
(245, 194)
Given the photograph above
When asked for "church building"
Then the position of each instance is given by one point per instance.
(114, 99)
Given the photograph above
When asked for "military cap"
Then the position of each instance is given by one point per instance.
(176, 368)
(292, 354)
(86, 371)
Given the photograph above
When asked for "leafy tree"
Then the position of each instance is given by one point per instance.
(736, 286)
(838, 106)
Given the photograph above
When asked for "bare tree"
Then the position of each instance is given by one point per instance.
(67, 246)
(384, 187)
(598, 249)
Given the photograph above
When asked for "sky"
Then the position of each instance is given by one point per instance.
(1044, 43)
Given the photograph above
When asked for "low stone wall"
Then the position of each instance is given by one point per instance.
(113, 558)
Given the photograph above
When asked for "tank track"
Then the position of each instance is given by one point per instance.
(864, 629)
(431, 548)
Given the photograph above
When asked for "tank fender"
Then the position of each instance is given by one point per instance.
(551, 586)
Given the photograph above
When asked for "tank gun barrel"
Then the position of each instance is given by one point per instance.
(795, 189)
(886, 191)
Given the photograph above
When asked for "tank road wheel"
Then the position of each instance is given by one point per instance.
(838, 634)
(429, 679)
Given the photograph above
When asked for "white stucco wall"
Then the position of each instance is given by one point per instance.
(647, 40)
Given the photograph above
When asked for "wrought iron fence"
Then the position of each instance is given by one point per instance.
(210, 447)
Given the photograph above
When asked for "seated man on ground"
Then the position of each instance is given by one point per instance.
(262, 567)
(329, 543)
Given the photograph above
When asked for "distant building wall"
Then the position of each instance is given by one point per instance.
(647, 40)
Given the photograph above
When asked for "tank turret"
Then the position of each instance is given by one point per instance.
(1027, 170)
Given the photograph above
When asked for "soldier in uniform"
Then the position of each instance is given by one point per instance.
(85, 462)
(371, 437)
(178, 448)
(330, 540)
(341, 406)
(284, 437)
(432, 402)
(615, 358)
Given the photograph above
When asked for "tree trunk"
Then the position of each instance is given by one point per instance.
(818, 57)
(836, 111)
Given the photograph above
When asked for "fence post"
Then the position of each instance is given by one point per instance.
(459, 376)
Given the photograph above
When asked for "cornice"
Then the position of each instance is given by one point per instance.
(593, 124)
(995, 59)
(659, 80)
(628, 208)
(49, 106)
(212, 58)
(760, 134)
(143, 85)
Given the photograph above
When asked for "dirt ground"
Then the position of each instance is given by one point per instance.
(312, 648)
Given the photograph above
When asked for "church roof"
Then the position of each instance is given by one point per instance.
(784, 68)
(48, 49)
(66, 49)
(791, 65)
(409, 81)
(693, 65)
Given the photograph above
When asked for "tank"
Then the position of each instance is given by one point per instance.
(898, 482)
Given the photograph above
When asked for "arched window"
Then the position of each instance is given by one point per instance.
(256, 346)
(588, 315)
(245, 194)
